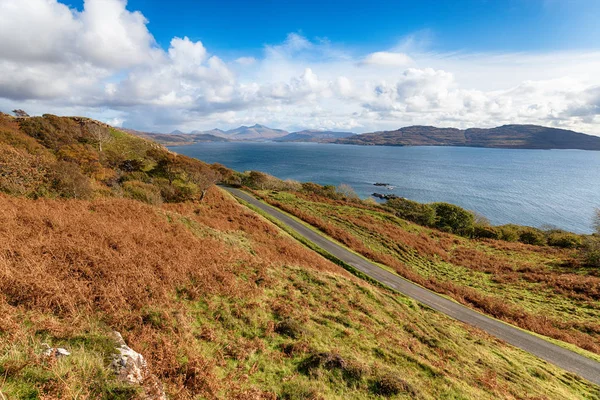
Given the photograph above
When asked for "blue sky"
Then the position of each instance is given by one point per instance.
(470, 25)
(340, 65)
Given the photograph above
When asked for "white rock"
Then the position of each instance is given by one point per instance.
(54, 351)
(129, 365)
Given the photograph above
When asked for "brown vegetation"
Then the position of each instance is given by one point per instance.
(123, 262)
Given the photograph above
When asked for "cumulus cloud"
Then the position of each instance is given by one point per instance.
(103, 61)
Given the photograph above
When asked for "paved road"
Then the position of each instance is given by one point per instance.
(566, 359)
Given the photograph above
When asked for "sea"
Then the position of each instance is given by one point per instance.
(540, 188)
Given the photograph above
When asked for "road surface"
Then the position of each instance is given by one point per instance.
(559, 356)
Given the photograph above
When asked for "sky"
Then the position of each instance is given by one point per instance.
(337, 65)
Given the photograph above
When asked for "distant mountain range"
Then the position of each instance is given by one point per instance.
(177, 139)
(506, 136)
(255, 133)
(314, 136)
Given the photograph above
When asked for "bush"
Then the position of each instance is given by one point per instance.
(509, 233)
(21, 174)
(590, 252)
(419, 213)
(566, 240)
(68, 181)
(486, 232)
(453, 219)
(142, 192)
(346, 192)
(532, 236)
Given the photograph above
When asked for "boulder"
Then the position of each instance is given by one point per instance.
(131, 367)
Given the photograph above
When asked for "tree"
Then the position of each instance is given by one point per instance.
(454, 219)
(347, 192)
(596, 221)
(20, 113)
(208, 178)
(100, 134)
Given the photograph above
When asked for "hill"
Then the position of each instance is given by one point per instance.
(101, 230)
(177, 139)
(506, 136)
(314, 136)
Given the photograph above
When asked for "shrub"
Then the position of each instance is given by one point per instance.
(419, 213)
(509, 233)
(453, 219)
(590, 252)
(532, 236)
(485, 232)
(131, 165)
(21, 174)
(69, 182)
(141, 191)
(346, 192)
(566, 240)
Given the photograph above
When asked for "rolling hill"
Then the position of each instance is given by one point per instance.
(506, 136)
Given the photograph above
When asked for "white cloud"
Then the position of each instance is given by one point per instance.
(246, 61)
(104, 62)
(385, 58)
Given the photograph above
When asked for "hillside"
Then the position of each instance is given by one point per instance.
(541, 288)
(177, 139)
(314, 136)
(507, 136)
(101, 230)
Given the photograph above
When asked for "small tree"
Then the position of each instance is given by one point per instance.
(208, 178)
(100, 134)
(20, 113)
(596, 221)
(347, 192)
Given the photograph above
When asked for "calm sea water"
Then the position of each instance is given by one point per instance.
(528, 187)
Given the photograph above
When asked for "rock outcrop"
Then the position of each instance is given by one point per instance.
(131, 367)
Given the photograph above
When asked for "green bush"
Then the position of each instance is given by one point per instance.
(509, 233)
(453, 219)
(590, 252)
(419, 213)
(532, 236)
(486, 232)
(566, 240)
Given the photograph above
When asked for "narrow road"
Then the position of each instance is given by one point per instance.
(561, 357)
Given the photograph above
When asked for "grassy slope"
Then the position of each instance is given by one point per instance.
(221, 302)
(202, 291)
(534, 287)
